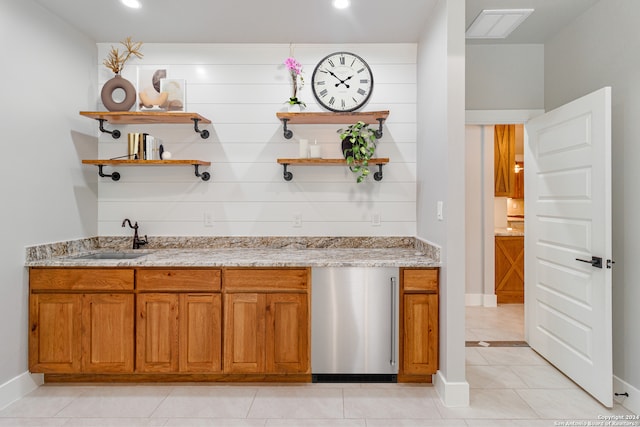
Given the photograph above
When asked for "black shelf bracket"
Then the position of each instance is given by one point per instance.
(204, 134)
(378, 133)
(114, 176)
(378, 175)
(288, 133)
(205, 176)
(115, 134)
(288, 176)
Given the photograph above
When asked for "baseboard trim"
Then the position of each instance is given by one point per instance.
(490, 300)
(473, 300)
(484, 300)
(452, 394)
(632, 402)
(18, 387)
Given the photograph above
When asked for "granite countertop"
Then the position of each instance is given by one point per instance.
(250, 257)
(514, 232)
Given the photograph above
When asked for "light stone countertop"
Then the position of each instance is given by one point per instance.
(514, 232)
(248, 257)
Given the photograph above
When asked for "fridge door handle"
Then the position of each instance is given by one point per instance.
(392, 358)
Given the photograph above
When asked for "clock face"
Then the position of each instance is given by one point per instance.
(342, 81)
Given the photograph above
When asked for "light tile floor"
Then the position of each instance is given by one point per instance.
(509, 386)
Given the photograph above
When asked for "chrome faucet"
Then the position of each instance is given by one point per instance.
(137, 241)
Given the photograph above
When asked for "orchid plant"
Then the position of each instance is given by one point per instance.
(295, 70)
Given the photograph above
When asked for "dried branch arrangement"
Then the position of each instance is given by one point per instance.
(116, 60)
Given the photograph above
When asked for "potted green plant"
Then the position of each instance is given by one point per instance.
(358, 146)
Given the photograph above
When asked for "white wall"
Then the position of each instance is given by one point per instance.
(601, 49)
(504, 76)
(474, 218)
(48, 75)
(441, 151)
(479, 216)
(240, 87)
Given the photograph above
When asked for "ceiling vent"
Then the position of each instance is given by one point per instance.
(496, 23)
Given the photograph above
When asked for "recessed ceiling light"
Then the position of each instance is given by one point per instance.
(134, 4)
(496, 23)
(341, 4)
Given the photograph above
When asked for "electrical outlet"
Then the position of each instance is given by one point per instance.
(208, 219)
(375, 219)
(297, 220)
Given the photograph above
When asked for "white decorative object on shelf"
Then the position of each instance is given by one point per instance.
(304, 148)
(315, 150)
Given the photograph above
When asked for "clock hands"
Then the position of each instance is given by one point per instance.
(341, 81)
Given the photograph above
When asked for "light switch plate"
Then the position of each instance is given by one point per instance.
(297, 220)
(440, 210)
(208, 219)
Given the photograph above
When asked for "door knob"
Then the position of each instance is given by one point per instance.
(595, 261)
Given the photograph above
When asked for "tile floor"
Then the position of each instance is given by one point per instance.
(510, 386)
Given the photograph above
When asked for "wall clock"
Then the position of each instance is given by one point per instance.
(342, 81)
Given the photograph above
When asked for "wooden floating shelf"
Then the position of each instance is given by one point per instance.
(146, 162)
(115, 176)
(369, 117)
(146, 117)
(320, 162)
(142, 117)
(318, 118)
(288, 176)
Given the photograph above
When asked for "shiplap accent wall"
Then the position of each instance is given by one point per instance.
(240, 87)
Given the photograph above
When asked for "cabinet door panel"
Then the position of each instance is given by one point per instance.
(509, 269)
(266, 279)
(107, 339)
(157, 333)
(244, 333)
(420, 280)
(504, 159)
(287, 333)
(76, 279)
(179, 280)
(200, 333)
(420, 334)
(55, 333)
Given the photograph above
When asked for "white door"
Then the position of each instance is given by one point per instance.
(568, 219)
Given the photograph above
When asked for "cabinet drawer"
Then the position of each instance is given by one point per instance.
(420, 280)
(261, 279)
(81, 279)
(178, 280)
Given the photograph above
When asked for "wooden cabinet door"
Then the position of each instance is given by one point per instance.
(157, 333)
(107, 336)
(518, 187)
(200, 333)
(287, 333)
(244, 333)
(420, 334)
(55, 333)
(504, 154)
(509, 269)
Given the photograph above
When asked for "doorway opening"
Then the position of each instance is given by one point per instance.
(495, 235)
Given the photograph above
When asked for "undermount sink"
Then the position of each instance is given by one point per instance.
(111, 255)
